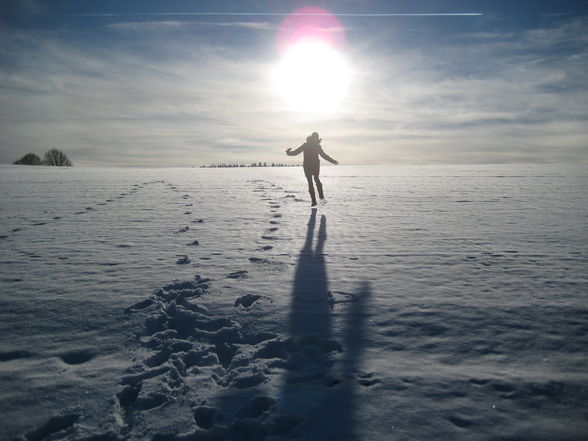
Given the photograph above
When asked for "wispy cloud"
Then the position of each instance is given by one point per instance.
(473, 99)
(156, 99)
(112, 105)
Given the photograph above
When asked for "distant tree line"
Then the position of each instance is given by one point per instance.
(253, 164)
(52, 157)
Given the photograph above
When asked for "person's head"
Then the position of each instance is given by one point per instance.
(315, 137)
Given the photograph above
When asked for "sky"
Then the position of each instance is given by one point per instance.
(190, 83)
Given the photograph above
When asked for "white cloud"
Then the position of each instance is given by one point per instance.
(115, 107)
(162, 100)
(528, 94)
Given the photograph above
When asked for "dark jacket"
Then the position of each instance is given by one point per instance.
(311, 151)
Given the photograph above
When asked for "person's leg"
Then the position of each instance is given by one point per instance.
(310, 188)
(319, 186)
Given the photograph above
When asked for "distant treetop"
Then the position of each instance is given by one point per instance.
(52, 157)
(28, 159)
(254, 164)
(57, 157)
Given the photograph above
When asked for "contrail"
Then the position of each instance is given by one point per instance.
(266, 14)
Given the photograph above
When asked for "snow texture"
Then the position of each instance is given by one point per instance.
(437, 303)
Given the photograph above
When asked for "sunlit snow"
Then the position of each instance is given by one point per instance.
(419, 303)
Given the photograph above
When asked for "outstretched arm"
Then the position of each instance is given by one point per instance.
(291, 152)
(327, 157)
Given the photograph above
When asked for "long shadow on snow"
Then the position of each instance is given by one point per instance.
(316, 399)
(311, 390)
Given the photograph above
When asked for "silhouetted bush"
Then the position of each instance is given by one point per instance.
(29, 159)
(56, 157)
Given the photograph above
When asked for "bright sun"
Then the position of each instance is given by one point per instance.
(312, 76)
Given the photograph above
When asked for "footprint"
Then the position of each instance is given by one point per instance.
(14, 355)
(205, 417)
(77, 357)
(277, 215)
(129, 394)
(273, 263)
(184, 260)
(347, 297)
(194, 243)
(151, 401)
(256, 407)
(331, 381)
(459, 422)
(139, 306)
(479, 382)
(183, 230)
(247, 300)
(238, 274)
(54, 425)
(368, 383)
(247, 381)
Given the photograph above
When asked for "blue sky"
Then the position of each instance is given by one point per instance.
(145, 83)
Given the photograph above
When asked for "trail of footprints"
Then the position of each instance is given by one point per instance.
(193, 350)
(269, 233)
(98, 206)
(192, 347)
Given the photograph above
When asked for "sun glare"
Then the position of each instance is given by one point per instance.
(313, 74)
(312, 77)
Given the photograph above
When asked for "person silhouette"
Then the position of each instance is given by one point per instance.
(312, 166)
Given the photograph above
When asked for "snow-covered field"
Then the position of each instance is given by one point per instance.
(421, 303)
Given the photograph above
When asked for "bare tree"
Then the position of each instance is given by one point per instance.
(56, 157)
(29, 159)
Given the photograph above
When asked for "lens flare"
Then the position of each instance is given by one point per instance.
(310, 24)
(313, 73)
